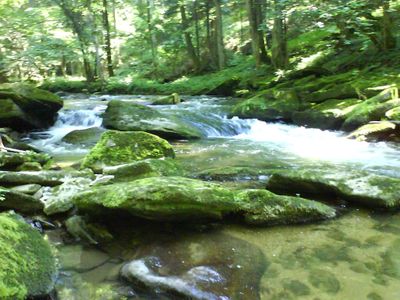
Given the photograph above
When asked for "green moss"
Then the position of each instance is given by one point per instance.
(354, 186)
(184, 199)
(262, 207)
(373, 109)
(27, 266)
(269, 105)
(116, 148)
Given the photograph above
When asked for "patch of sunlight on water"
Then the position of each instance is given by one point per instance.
(354, 257)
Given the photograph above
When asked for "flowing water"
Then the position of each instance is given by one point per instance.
(356, 256)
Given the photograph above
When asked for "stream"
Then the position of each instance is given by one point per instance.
(356, 256)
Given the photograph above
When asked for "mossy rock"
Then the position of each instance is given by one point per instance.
(167, 100)
(24, 107)
(344, 91)
(117, 148)
(269, 105)
(356, 187)
(12, 161)
(327, 115)
(379, 131)
(84, 137)
(393, 114)
(183, 199)
(143, 169)
(262, 207)
(128, 116)
(27, 265)
(45, 178)
(11, 199)
(373, 109)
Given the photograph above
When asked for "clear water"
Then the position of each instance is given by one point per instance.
(354, 257)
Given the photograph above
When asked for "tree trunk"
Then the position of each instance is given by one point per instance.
(197, 27)
(280, 57)
(188, 39)
(388, 39)
(219, 35)
(107, 45)
(152, 35)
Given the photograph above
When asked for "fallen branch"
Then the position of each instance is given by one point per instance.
(6, 149)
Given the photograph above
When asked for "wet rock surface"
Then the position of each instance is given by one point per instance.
(209, 266)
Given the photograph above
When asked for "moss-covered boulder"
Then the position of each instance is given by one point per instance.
(129, 116)
(379, 131)
(269, 105)
(184, 199)
(144, 168)
(27, 265)
(24, 107)
(373, 109)
(327, 115)
(11, 199)
(84, 137)
(117, 148)
(353, 186)
(13, 161)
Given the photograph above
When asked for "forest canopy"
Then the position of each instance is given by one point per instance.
(167, 39)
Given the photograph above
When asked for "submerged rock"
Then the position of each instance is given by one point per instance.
(116, 148)
(211, 266)
(356, 187)
(24, 107)
(184, 199)
(84, 137)
(18, 201)
(27, 265)
(127, 116)
(143, 169)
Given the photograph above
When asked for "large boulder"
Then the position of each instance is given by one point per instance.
(117, 148)
(184, 199)
(354, 186)
(10, 199)
(327, 115)
(269, 105)
(199, 266)
(27, 265)
(128, 116)
(24, 107)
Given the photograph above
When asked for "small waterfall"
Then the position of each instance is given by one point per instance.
(68, 120)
